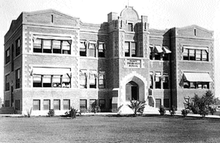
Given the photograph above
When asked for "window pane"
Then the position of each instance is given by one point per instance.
(101, 50)
(92, 50)
(92, 80)
(46, 104)
(92, 104)
(204, 55)
(46, 81)
(82, 49)
(158, 103)
(66, 104)
(47, 44)
(127, 49)
(133, 49)
(56, 81)
(83, 104)
(56, 104)
(36, 104)
(82, 80)
(101, 80)
(198, 55)
(65, 45)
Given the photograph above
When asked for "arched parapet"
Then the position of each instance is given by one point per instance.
(129, 13)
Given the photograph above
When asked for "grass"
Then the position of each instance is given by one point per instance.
(109, 129)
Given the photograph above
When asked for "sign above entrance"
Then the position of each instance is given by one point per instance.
(133, 63)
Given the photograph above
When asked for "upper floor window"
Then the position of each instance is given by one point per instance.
(51, 77)
(18, 47)
(7, 82)
(7, 56)
(131, 49)
(82, 49)
(52, 46)
(92, 50)
(130, 27)
(195, 54)
(92, 79)
(102, 79)
(159, 53)
(101, 49)
(165, 81)
(83, 79)
(18, 78)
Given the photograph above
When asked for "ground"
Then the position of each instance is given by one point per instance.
(109, 129)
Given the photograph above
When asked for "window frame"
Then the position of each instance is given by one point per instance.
(18, 47)
(18, 78)
(38, 105)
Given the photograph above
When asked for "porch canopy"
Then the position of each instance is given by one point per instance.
(198, 77)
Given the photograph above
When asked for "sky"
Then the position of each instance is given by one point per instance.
(162, 14)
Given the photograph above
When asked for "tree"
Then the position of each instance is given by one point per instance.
(137, 106)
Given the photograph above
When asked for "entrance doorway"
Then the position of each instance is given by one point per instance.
(132, 91)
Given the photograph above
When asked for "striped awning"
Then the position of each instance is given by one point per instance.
(198, 77)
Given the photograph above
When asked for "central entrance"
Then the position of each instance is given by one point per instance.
(132, 91)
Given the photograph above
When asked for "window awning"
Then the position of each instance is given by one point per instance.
(158, 49)
(198, 77)
(166, 50)
(51, 71)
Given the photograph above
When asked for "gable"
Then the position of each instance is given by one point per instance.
(51, 17)
(194, 31)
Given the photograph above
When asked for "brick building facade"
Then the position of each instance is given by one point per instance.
(55, 61)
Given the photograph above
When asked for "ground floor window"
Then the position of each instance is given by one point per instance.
(102, 104)
(83, 105)
(17, 104)
(158, 103)
(46, 104)
(56, 104)
(66, 104)
(36, 104)
(166, 103)
(92, 104)
(7, 103)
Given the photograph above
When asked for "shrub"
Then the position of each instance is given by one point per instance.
(162, 110)
(212, 110)
(51, 113)
(172, 110)
(29, 112)
(137, 106)
(185, 112)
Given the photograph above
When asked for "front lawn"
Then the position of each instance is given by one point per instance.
(109, 129)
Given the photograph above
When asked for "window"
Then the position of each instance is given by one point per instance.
(102, 104)
(158, 103)
(185, 54)
(7, 56)
(92, 104)
(66, 104)
(133, 49)
(165, 81)
(7, 103)
(130, 27)
(166, 103)
(56, 104)
(158, 80)
(127, 49)
(18, 46)
(151, 52)
(151, 80)
(197, 54)
(66, 47)
(52, 46)
(83, 79)
(195, 32)
(82, 49)
(191, 54)
(12, 57)
(83, 104)
(92, 50)
(37, 46)
(46, 81)
(204, 55)
(56, 45)
(36, 104)
(196, 85)
(17, 104)
(101, 50)
(46, 104)
(166, 57)
(47, 46)
(7, 83)
(92, 79)
(18, 78)
(65, 81)
(37, 81)
(102, 79)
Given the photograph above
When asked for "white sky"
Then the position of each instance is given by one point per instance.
(161, 14)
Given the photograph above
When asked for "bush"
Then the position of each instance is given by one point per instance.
(212, 110)
(185, 112)
(162, 110)
(172, 110)
(137, 106)
(51, 113)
